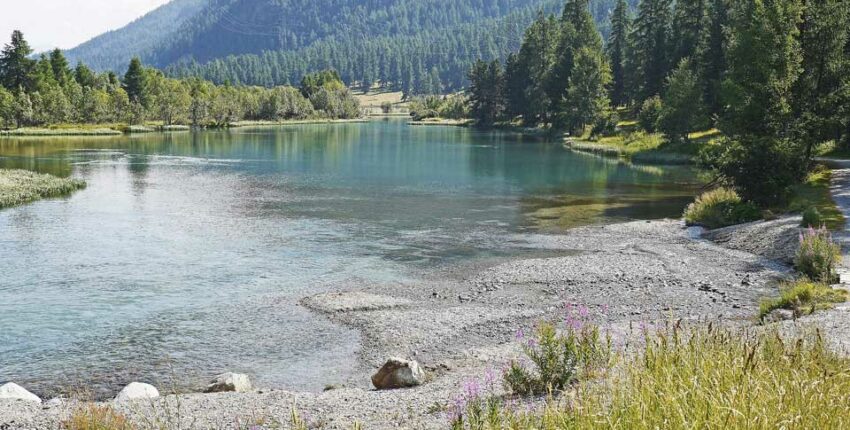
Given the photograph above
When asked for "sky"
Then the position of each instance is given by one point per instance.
(49, 24)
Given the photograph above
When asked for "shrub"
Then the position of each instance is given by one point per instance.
(454, 108)
(818, 256)
(762, 170)
(558, 359)
(94, 417)
(386, 107)
(803, 297)
(425, 107)
(650, 113)
(720, 208)
(704, 378)
(812, 217)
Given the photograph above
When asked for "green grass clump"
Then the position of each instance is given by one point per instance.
(22, 186)
(803, 297)
(812, 217)
(720, 208)
(818, 255)
(701, 378)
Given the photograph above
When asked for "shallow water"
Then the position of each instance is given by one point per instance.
(187, 253)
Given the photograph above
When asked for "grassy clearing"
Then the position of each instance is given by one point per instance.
(803, 297)
(814, 193)
(647, 148)
(700, 378)
(21, 186)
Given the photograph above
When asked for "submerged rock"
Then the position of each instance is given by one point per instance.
(13, 391)
(137, 391)
(398, 373)
(230, 382)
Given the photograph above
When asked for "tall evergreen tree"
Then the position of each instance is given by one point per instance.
(16, 67)
(134, 81)
(711, 54)
(535, 60)
(652, 41)
(689, 18)
(577, 31)
(486, 92)
(59, 64)
(765, 61)
(617, 46)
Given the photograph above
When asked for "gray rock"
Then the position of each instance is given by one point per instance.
(230, 382)
(779, 315)
(398, 373)
(136, 391)
(13, 391)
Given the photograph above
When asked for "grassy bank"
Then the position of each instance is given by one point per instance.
(21, 186)
(645, 148)
(238, 124)
(814, 192)
(47, 132)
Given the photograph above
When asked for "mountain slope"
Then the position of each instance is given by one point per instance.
(269, 42)
(112, 50)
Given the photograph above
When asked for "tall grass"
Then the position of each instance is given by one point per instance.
(720, 208)
(818, 255)
(22, 186)
(701, 378)
(803, 297)
(94, 417)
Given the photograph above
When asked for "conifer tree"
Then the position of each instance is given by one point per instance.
(689, 17)
(134, 81)
(711, 54)
(617, 46)
(59, 64)
(651, 39)
(16, 67)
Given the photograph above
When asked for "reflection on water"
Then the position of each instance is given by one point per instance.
(187, 253)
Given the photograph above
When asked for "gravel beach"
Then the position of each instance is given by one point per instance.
(458, 322)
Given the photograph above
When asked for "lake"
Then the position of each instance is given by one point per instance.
(187, 253)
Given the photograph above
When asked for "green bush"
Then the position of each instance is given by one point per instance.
(720, 208)
(812, 217)
(803, 297)
(762, 170)
(818, 255)
(558, 359)
(650, 114)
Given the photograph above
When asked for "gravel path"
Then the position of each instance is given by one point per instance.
(458, 322)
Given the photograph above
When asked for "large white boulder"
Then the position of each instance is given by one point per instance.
(13, 391)
(230, 382)
(137, 391)
(398, 373)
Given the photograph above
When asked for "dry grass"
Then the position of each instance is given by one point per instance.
(94, 417)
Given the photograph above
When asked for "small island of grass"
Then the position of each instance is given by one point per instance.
(18, 187)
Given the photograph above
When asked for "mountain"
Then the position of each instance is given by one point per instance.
(142, 37)
(418, 44)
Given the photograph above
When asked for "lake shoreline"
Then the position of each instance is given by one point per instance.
(460, 321)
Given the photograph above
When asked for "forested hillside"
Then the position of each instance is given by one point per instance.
(422, 46)
(112, 50)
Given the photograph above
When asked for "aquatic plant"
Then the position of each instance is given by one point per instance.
(22, 186)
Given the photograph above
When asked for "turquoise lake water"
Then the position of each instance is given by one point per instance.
(187, 253)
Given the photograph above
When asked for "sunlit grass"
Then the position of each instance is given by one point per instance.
(814, 192)
(22, 186)
(94, 417)
(803, 297)
(701, 378)
(647, 148)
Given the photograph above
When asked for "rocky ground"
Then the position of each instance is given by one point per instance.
(459, 322)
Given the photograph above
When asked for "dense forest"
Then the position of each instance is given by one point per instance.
(47, 91)
(418, 46)
(772, 75)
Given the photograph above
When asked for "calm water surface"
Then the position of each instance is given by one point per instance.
(187, 253)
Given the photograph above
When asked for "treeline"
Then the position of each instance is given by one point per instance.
(47, 91)
(772, 75)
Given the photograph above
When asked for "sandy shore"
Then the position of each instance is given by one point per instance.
(458, 322)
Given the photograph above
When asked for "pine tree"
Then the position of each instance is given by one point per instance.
(818, 93)
(535, 60)
(617, 46)
(765, 61)
(587, 99)
(486, 92)
(711, 54)
(651, 39)
(134, 81)
(689, 17)
(516, 81)
(681, 110)
(59, 65)
(577, 31)
(16, 67)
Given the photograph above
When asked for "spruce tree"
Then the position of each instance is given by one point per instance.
(535, 60)
(16, 67)
(689, 17)
(59, 64)
(652, 40)
(577, 31)
(711, 54)
(134, 81)
(617, 46)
